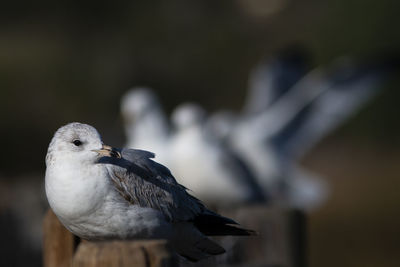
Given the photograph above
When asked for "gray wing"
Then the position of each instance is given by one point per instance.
(271, 79)
(244, 175)
(350, 87)
(144, 182)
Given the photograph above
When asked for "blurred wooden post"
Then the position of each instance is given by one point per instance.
(58, 242)
(141, 253)
(281, 236)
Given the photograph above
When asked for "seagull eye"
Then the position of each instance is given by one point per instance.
(77, 142)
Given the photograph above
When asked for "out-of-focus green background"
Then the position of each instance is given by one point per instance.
(72, 61)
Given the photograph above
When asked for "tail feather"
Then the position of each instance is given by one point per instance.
(208, 246)
(194, 255)
(203, 249)
(224, 229)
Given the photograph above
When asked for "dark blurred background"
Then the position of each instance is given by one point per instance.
(72, 61)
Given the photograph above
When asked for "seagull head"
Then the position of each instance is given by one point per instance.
(137, 102)
(187, 115)
(80, 143)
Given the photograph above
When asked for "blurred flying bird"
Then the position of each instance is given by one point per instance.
(272, 142)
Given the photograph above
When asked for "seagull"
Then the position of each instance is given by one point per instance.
(203, 164)
(99, 192)
(146, 125)
(273, 140)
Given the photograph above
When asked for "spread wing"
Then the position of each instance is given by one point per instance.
(144, 182)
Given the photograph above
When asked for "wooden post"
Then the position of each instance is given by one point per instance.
(58, 242)
(280, 241)
(140, 253)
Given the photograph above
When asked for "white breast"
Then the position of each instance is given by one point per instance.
(74, 192)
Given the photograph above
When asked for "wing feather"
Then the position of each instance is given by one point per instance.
(147, 183)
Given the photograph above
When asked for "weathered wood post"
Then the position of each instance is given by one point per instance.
(58, 242)
(59, 250)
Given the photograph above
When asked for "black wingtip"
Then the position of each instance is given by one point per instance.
(236, 231)
(252, 232)
(213, 224)
(224, 230)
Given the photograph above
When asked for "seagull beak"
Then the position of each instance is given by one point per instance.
(108, 151)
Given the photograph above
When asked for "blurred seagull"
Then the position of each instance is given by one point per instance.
(205, 165)
(272, 142)
(99, 192)
(146, 125)
(333, 95)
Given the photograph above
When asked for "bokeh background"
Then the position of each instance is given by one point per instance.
(73, 60)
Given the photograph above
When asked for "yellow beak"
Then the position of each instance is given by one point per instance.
(108, 151)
